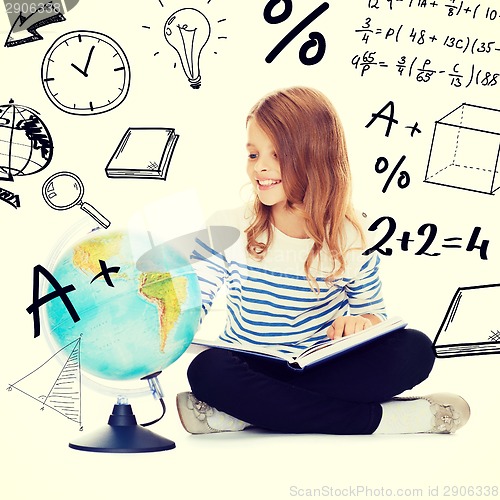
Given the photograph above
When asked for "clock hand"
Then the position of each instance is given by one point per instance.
(84, 71)
(79, 70)
(88, 60)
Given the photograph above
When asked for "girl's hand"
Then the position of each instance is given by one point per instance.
(347, 325)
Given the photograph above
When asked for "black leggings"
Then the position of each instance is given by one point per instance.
(341, 396)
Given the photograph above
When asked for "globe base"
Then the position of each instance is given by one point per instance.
(122, 435)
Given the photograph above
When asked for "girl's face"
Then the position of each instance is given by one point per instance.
(263, 166)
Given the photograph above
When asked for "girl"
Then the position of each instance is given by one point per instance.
(299, 276)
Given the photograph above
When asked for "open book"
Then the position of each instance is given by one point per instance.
(314, 354)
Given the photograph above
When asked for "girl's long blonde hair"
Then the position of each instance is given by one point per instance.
(309, 140)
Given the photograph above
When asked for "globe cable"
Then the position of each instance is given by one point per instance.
(164, 407)
(157, 392)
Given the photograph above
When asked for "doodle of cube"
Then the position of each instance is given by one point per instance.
(465, 150)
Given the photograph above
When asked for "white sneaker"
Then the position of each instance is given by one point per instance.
(198, 417)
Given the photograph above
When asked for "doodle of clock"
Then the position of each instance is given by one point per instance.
(85, 73)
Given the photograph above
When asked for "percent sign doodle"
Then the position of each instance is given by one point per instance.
(382, 165)
(316, 39)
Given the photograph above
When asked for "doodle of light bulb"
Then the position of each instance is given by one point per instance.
(187, 31)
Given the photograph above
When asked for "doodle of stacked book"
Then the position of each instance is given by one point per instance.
(143, 153)
(470, 326)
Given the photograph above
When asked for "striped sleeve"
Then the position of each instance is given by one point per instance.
(364, 291)
(210, 267)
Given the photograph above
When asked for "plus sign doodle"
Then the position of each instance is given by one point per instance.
(105, 270)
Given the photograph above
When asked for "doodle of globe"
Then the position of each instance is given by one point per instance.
(25, 143)
(137, 316)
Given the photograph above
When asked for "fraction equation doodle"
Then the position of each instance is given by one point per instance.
(423, 70)
(421, 36)
(450, 8)
(426, 238)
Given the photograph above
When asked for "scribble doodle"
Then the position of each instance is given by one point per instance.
(316, 39)
(37, 135)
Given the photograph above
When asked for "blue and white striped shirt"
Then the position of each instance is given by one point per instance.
(270, 302)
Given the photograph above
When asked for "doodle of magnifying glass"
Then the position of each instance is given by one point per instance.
(64, 190)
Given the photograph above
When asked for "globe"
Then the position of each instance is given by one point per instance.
(26, 146)
(137, 315)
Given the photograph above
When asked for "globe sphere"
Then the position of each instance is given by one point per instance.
(134, 320)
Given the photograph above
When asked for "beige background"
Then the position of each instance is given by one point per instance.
(209, 163)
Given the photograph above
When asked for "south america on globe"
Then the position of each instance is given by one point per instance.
(133, 322)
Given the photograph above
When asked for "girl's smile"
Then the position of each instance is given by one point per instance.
(266, 184)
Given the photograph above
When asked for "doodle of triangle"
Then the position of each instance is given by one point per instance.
(64, 393)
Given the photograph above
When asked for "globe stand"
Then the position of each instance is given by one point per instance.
(123, 434)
